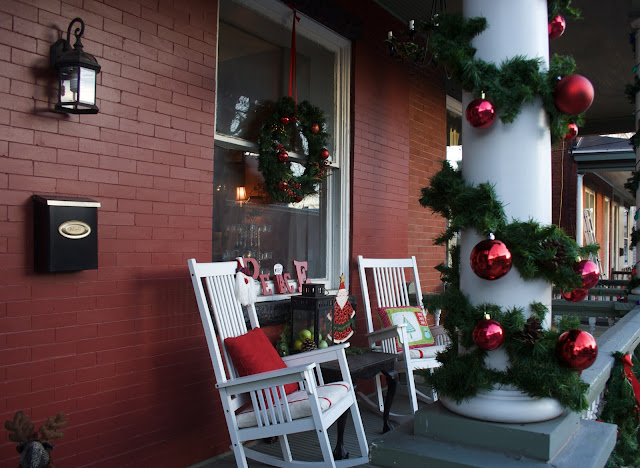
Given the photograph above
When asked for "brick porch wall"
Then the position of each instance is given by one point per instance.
(119, 349)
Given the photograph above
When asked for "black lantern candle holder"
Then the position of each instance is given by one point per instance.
(77, 72)
(311, 315)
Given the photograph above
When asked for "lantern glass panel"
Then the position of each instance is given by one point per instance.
(68, 84)
(313, 314)
(87, 86)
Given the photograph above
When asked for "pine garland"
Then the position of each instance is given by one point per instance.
(621, 408)
(516, 81)
(538, 252)
(281, 132)
(632, 182)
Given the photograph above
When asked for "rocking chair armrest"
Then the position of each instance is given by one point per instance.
(331, 353)
(386, 333)
(283, 376)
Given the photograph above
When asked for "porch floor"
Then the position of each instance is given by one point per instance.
(305, 446)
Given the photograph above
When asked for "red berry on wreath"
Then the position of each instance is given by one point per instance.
(298, 199)
(315, 128)
(283, 156)
(324, 153)
(282, 186)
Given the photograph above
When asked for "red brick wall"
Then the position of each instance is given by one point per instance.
(119, 349)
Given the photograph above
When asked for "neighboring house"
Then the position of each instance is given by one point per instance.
(592, 172)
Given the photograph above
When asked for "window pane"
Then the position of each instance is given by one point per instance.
(271, 233)
(253, 72)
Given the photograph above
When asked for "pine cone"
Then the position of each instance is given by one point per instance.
(308, 345)
(531, 332)
(560, 257)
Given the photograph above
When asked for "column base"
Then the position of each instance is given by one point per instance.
(505, 405)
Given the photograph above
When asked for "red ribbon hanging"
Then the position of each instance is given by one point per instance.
(631, 377)
(293, 89)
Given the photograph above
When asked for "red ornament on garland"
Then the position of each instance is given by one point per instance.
(315, 128)
(283, 156)
(480, 113)
(285, 120)
(589, 271)
(283, 186)
(490, 259)
(576, 295)
(324, 153)
(488, 334)
(573, 94)
(557, 27)
(576, 349)
(572, 132)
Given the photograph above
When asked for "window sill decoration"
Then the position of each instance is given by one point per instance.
(539, 361)
(278, 135)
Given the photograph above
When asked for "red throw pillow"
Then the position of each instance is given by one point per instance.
(253, 353)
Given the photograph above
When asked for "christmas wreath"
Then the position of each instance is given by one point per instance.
(292, 126)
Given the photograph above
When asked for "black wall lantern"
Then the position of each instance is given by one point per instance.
(77, 72)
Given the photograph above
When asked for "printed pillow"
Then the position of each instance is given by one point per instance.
(253, 353)
(417, 328)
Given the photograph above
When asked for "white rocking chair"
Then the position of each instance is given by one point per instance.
(249, 413)
(390, 278)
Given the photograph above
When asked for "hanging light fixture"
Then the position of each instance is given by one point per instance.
(76, 72)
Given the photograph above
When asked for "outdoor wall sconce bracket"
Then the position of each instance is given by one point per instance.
(76, 72)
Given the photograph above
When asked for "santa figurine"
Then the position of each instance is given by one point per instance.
(342, 317)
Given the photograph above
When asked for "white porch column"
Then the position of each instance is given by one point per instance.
(636, 26)
(580, 211)
(516, 159)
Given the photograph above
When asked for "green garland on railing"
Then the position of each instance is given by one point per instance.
(543, 252)
(515, 82)
(621, 408)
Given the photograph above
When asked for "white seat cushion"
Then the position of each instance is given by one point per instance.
(328, 395)
(423, 352)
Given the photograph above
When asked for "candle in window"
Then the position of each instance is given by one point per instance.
(390, 35)
(412, 24)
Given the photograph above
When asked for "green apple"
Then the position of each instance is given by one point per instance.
(305, 334)
(323, 344)
(297, 345)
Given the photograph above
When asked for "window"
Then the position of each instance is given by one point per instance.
(606, 248)
(454, 153)
(252, 73)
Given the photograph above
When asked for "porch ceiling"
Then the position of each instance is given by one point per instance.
(599, 43)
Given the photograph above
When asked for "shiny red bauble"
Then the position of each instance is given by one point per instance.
(490, 259)
(488, 334)
(283, 156)
(480, 113)
(315, 128)
(576, 295)
(324, 153)
(589, 272)
(572, 132)
(573, 94)
(557, 27)
(576, 349)
(285, 120)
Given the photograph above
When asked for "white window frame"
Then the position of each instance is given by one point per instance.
(338, 215)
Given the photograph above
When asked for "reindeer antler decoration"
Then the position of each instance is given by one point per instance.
(34, 451)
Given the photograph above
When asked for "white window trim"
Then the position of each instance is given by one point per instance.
(338, 217)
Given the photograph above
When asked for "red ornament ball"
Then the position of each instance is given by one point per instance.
(576, 349)
(488, 334)
(283, 186)
(480, 113)
(283, 156)
(572, 132)
(576, 295)
(324, 153)
(285, 120)
(573, 94)
(557, 27)
(589, 271)
(490, 259)
(315, 128)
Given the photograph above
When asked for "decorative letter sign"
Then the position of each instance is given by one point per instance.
(301, 273)
(265, 289)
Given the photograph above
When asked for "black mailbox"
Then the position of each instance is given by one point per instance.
(65, 233)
